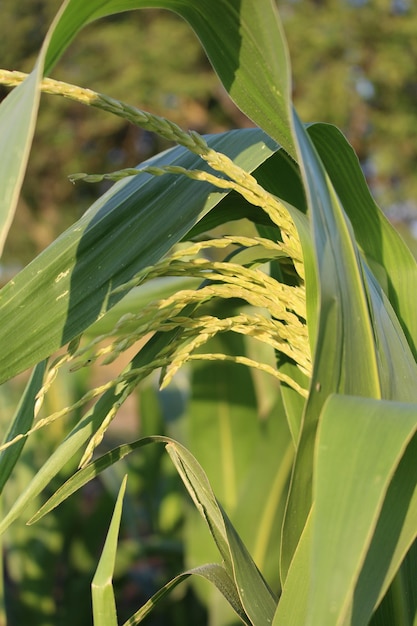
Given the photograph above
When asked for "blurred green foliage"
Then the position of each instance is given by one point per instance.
(49, 566)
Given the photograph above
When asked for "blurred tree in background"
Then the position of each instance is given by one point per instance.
(354, 65)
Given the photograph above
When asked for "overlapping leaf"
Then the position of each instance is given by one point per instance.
(360, 336)
(251, 591)
(68, 287)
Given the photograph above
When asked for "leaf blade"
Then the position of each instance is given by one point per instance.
(104, 604)
(69, 286)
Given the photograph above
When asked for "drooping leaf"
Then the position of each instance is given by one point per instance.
(243, 40)
(256, 597)
(212, 572)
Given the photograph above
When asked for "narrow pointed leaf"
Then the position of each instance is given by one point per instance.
(21, 423)
(104, 604)
(18, 112)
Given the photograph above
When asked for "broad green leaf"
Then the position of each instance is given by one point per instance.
(393, 536)
(243, 40)
(344, 330)
(69, 286)
(359, 442)
(18, 112)
(358, 331)
(21, 423)
(104, 604)
(387, 255)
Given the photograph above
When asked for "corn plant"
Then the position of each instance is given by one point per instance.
(324, 490)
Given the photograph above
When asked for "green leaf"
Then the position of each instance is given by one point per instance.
(69, 286)
(21, 423)
(18, 112)
(386, 254)
(359, 442)
(255, 596)
(104, 604)
(243, 39)
(212, 572)
(358, 332)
